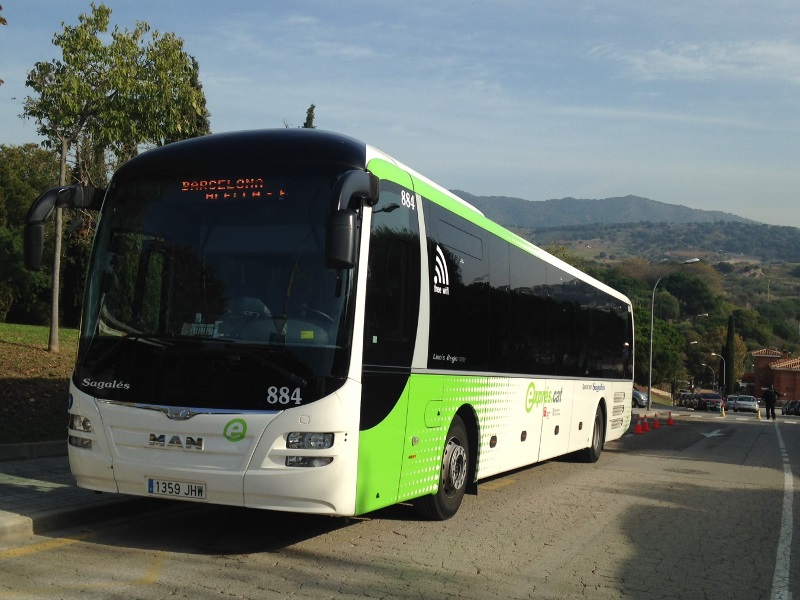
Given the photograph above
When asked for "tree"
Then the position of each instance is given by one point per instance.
(2, 22)
(24, 172)
(309, 123)
(752, 327)
(667, 306)
(729, 353)
(692, 291)
(111, 97)
(562, 252)
(667, 348)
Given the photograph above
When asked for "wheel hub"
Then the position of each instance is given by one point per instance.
(455, 466)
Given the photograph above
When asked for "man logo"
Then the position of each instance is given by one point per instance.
(441, 278)
(176, 441)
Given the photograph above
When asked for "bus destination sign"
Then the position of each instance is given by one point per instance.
(242, 188)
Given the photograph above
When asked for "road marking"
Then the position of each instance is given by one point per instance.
(498, 484)
(715, 433)
(780, 580)
(44, 546)
(150, 577)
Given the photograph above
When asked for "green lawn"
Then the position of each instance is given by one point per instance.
(34, 383)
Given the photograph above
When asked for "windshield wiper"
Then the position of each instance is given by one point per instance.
(259, 356)
(152, 340)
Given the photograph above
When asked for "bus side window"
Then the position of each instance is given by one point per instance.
(392, 303)
(459, 313)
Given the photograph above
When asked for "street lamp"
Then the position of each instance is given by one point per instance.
(713, 376)
(724, 366)
(652, 318)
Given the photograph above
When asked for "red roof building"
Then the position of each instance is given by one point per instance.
(775, 368)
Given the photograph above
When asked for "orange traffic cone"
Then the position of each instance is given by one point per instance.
(655, 422)
(669, 420)
(638, 426)
(645, 426)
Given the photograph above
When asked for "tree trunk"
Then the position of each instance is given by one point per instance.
(53, 344)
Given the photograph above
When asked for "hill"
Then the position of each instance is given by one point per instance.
(631, 226)
(568, 212)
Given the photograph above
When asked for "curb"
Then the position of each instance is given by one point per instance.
(33, 450)
(111, 508)
(13, 526)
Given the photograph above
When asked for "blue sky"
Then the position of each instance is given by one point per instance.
(685, 102)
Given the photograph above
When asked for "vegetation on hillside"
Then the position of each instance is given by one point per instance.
(697, 315)
(721, 241)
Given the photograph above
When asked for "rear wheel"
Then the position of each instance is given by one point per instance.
(444, 503)
(592, 453)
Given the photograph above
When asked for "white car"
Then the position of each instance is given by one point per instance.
(746, 403)
(639, 399)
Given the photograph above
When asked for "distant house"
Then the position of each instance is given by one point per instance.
(777, 368)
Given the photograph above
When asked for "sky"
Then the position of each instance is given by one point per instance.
(686, 102)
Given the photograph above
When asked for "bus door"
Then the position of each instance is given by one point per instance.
(390, 326)
(556, 407)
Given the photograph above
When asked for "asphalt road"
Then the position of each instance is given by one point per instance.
(702, 509)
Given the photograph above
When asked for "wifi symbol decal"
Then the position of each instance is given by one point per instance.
(441, 278)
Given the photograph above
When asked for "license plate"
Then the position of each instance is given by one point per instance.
(189, 490)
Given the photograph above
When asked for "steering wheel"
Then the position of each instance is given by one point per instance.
(302, 312)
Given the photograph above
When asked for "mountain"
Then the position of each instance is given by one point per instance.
(568, 212)
(631, 226)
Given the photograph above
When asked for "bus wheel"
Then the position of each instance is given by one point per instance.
(454, 476)
(592, 453)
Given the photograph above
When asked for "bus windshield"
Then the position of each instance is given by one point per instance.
(213, 293)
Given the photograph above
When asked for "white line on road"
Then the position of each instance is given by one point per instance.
(780, 580)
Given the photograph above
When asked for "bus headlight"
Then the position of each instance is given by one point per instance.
(79, 442)
(80, 423)
(301, 440)
(308, 461)
(304, 440)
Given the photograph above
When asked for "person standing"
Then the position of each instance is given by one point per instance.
(770, 397)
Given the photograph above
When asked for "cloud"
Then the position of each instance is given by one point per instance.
(755, 60)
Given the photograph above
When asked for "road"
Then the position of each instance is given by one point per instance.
(702, 509)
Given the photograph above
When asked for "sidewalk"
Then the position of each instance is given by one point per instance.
(38, 493)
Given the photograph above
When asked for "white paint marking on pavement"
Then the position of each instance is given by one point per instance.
(715, 433)
(780, 580)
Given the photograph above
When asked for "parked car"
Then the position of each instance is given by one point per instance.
(685, 399)
(730, 403)
(746, 404)
(639, 399)
(792, 407)
(708, 401)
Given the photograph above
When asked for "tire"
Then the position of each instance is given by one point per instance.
(444, 503)
(592, 453)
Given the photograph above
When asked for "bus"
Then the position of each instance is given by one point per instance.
(293, 320)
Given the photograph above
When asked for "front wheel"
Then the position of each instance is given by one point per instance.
(453, 478)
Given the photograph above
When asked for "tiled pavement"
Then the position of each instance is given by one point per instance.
(38, 493)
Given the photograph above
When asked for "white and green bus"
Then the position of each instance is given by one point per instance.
(293, 320)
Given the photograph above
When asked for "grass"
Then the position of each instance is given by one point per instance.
(34, 383)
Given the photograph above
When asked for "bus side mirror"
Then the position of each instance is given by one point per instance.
(72, 196)
(359, 184)
(340, 239)
(341, 228)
